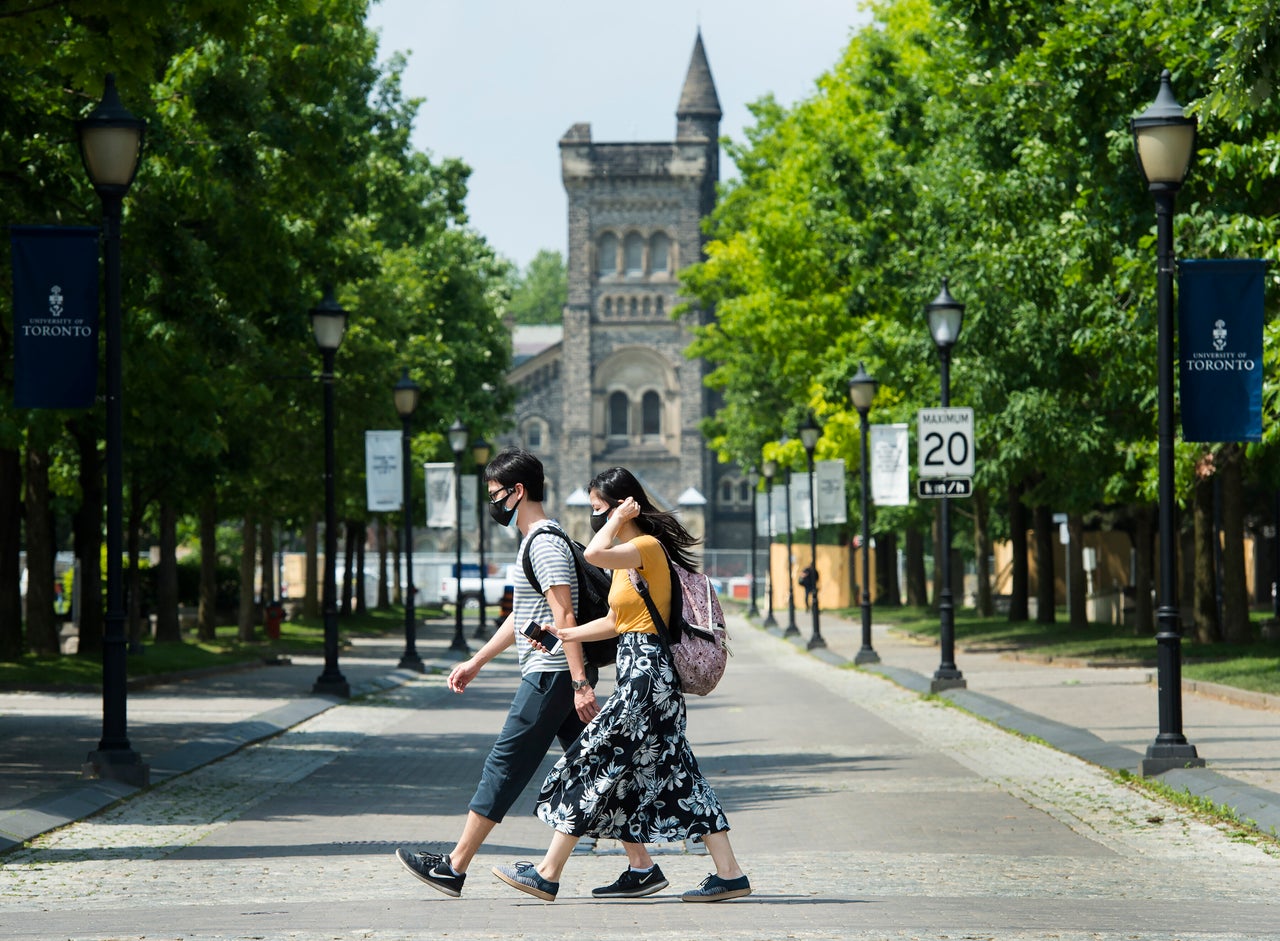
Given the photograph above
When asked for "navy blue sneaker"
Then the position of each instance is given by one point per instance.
(715, 889)
(524, 876)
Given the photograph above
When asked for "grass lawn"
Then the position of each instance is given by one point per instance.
(1254, 666)
(305, 635)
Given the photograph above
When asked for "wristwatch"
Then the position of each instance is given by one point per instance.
(579, 684)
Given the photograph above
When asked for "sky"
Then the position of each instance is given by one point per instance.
(504, 79)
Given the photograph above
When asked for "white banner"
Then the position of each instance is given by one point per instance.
(780, 498)
(762, 514)
(828, 482)
(442, 507)
(889, 470)
(384, 481)
(799, 501)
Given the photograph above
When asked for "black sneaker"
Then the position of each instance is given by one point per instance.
(633, 885)
(715, 889)
(525, 877)
(433, 869)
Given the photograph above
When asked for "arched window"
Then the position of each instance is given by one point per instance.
(607, 262)
(744, 492)
(619, 407)
(658, 304)
(633, 254)
(608, 306)
(726, 492)
(650, 414)
(659, 253)
(533, 436)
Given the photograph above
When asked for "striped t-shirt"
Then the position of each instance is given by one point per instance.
(552, 563)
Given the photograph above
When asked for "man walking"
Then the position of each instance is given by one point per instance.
(555, 698)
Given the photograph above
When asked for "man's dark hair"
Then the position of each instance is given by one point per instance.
(517, 466)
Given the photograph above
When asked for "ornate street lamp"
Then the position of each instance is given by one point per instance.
(328, 325)
(862, 391)
(946, 316)
(406, 394)
(110, 146)
(458, 444)
(753, 481)
(770, 470)
(480, 454)
(809, 435)
(1164, 139)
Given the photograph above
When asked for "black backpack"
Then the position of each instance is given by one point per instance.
(593, 597)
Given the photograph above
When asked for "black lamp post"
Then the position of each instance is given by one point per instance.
(753, 481)
(480, 453)
(406, 394)
(328, 324)
(110, 146)
(770, 470)
(946, 316)
(458, 444)
(1164, 139)
(862, 390)
(809, 434)
(792, 630)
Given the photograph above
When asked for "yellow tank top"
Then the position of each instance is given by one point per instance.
(632, 614)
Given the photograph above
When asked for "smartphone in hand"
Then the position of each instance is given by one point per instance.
(533, 630)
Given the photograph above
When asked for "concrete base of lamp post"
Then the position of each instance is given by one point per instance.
(938, 683)
(113, 765)
(866, 656)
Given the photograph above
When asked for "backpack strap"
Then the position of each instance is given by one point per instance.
(528, 561)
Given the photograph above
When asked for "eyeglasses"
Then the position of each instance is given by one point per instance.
(500, 496)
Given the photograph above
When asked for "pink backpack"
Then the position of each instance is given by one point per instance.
(698, 638)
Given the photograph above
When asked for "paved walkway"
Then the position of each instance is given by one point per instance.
(860, 810)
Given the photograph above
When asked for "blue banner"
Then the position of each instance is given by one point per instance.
(1220, 349)
(55, 316)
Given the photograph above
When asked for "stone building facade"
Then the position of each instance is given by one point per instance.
(617, 388)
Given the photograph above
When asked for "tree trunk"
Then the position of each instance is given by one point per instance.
(207, 618)
(1077, 613)
(268, 558)
(247, 619)
(983, 550)
(1186, 563)
(88, 539)
(1045, 538)
(397, 591)
(1236, 628)
(1144, 539)
(359, 532)
(888, 593)
(168, 628)
(42, 626)
(10, 549)
(1020, 577)
(311, 600)
(348, 568)
(384, 596)
(133, 580)
(1206, 594)
(917, 581)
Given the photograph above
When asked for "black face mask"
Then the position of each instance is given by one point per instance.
(598, 520)
(499, 513)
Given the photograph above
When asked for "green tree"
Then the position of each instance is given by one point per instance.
(540, 292)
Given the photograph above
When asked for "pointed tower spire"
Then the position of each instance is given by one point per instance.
(698, 114)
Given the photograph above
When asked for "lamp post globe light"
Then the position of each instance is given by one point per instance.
(480, 454)
(458, 444)
(809, 435)
(406, 395)
(770, 470)
(753, 481)
(946, 317)
(1164, 140)
(110, 140)
(328, 325)
(862, 391)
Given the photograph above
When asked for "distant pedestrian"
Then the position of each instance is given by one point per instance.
(632, 775)
(809, 582)
(555, 698)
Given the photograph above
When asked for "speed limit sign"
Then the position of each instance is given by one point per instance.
(945, 442)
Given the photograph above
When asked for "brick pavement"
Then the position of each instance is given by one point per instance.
(860, 810)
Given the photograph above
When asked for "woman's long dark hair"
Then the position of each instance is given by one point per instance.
(618, 483)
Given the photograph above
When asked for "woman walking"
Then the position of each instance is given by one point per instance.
(631, 775)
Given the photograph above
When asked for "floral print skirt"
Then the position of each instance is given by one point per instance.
(631, 774)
